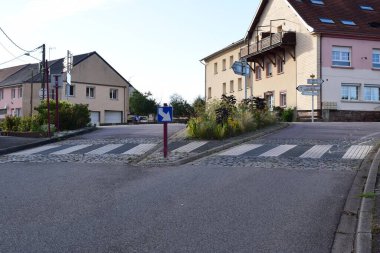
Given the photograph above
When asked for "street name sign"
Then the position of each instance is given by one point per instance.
(310, 93)
(240, 68)
(314, 81)
(165, 114)
(303, 88)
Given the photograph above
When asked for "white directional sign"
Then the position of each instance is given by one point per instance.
(165, 114)
(314, 81)
(310, 88)
(310, 93)
(240, 68)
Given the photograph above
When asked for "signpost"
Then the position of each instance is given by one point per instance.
(242, 68)
(57, 78)
(311, 90)
(165, 115)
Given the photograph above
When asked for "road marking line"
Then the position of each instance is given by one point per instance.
(277, 151)
(70, 149)
(316, 151)
(104, 149)
(36, 150)
(239, 150)
(140, 149)
(357, 152)
(190, 147)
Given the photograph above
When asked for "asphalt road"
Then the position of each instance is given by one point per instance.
(100, 208)
(105, 207)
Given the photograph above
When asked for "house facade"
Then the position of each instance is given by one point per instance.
(93, 82)
(220, 78)
(290, 41)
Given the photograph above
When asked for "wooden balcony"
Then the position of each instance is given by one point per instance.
(276, 40)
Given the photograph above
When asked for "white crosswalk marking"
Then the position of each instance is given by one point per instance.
(239, 150)
(357, 152)
(36, 150)
(104, 149)
(140, 149)
(316, 151)
(70, 149)
(277, 151)
(190, 147)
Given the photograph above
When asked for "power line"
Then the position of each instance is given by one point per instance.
(14, 42)
(12, 59)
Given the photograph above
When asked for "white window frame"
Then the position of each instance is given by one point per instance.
(347, 90)
(114, 94)
(376, 58)
(231, 86)
(224, 88)
(231, 60)
(1, 94)
(71, 88)
(215, 68)
(13, 93)
(269, 69)
(224, 65)
(88, 92)
(280, 66)
(372, 93)
(258, 73)
(19, 92)
(341, 56)
(283, 98)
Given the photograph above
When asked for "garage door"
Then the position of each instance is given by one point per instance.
(95, 118)
(113, 117)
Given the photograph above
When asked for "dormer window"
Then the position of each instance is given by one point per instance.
(318, 2)
(348, 22)
(366, 7)
(327, 20)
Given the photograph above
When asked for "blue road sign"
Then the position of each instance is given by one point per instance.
(240, 68)
(165, 114)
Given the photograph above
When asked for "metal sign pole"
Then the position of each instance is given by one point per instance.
(165, 139)
(48, 95)
(56, 104)
(312, 108)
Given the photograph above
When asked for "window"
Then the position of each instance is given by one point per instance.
(341, 56)
(113, 94)
(19, 89)
(280, 66)
(240, 85)
(283, 99)
(350, 92)
(224, 88)
(231, 61)
(269, 69)
(3, 112)
(366, 7)
(90, 92)
(318, 2)
(376, 59)
(348, 22)
(258, 73)
(17, 112)
(215, 68)
(209, 93)
(224, 64)
(327, 20)
(231, 86)
(371, 93)
(70, 90)
(1, 94)
(13, 93)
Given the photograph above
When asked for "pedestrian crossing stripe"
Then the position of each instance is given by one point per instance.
(104, 149)
(140, 149)
(357, 152)
(190, 147)
(239, 150)
(316, 151)
(277, 151)
(36, 150)
(70, 149)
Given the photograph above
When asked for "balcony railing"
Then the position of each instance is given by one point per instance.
(270, 42)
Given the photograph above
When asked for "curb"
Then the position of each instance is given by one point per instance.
(363, 240)
(44, 142)
(233, 143)
(354, 229)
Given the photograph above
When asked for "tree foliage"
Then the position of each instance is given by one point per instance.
(199, 106)
(180, 106)
(142, 104)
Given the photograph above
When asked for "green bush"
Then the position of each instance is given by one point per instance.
(223, 118)
(287, 115)
(10, 123)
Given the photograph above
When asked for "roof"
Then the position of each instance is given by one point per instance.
(23, 73)
(336, 10)
(234, 44)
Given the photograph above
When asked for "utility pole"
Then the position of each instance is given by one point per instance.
(43, 71)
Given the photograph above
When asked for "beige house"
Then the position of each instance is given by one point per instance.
(220, 78)
(93, 82)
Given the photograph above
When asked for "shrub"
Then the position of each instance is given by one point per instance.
(287, 115)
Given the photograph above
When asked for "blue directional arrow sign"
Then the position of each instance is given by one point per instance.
(240, 68)
(165, 114)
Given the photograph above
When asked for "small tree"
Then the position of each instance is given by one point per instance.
(142, 104)
(199, 106)
(180, 106)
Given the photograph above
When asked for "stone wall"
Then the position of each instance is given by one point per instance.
(351, 116)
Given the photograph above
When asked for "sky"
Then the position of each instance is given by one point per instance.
(155, 44)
